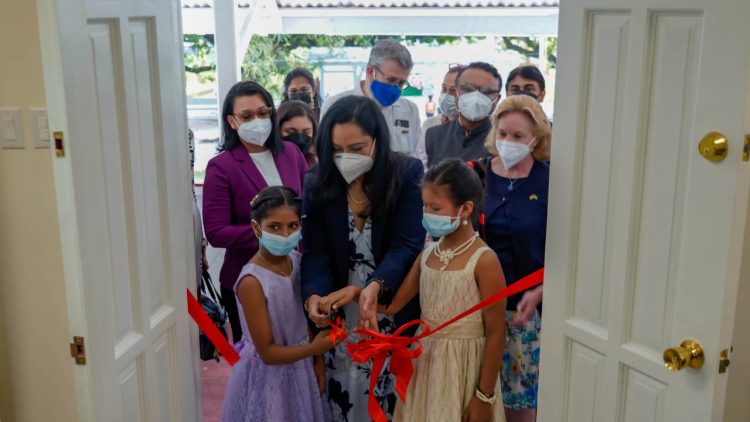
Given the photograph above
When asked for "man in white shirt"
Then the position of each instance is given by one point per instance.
(387, 75)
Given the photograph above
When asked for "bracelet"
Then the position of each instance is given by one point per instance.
(306, 305)
(380, 282)
(491, 399)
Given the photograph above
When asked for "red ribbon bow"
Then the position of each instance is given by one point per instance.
(376, 345)
(337, 333)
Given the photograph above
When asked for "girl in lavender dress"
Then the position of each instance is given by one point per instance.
(274, 378)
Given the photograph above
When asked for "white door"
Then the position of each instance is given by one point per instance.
(645, 235)
(115, 89)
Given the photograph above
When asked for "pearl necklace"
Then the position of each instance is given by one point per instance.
(359, 202)
(446, 256)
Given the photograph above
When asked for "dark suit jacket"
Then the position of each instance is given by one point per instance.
(232, 181)
(397, 239)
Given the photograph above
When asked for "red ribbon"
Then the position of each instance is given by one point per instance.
(377, 345)
(206, 324)
(337, 333)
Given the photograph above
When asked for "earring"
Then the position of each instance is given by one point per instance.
(465, 222)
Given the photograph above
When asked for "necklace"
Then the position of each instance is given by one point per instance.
(359, 202)
(276, 266)
(446, 256)
(510, 185)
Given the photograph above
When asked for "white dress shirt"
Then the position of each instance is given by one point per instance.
(402, 118)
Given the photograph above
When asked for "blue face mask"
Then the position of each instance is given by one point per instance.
(385, 94)
(280, 245)
(440, 225)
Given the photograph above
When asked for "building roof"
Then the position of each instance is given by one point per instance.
(373, 4)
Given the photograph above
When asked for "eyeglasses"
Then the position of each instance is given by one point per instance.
(247, 115)
(392, 80)
(467, 89)
(455, 67)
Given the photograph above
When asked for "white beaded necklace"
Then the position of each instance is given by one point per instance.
(446, 256)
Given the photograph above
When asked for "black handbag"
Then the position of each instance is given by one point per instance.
(210, 301)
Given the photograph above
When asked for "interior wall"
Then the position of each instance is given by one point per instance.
(36, 370)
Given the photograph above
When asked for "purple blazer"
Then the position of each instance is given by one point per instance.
(232, 181)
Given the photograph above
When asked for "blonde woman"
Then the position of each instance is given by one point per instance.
(514, 225)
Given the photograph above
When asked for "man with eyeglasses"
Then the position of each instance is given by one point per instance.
(386, 77)
(477, 93)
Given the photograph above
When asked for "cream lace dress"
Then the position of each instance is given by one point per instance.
(446, 375)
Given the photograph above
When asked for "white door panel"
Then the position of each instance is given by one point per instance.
(640, 225)
(124, 198)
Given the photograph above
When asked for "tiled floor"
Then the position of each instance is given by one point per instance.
(214, 377)
(214, 374)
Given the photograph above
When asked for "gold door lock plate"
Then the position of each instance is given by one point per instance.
(724, 361)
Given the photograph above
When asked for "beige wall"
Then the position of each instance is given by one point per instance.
(36, 371)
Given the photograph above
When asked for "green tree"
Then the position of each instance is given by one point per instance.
(200, 56)
(269, 59)
(529, 47)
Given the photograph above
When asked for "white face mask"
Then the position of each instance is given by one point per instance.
(475, 106)
(255, 131)
(512, 153)
(351, 166)
(447, 104)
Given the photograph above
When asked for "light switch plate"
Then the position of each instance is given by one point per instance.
(39, 127)
(11, 135)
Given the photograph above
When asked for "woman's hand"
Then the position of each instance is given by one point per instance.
(204, 261)
(477, 411)
(527, 305)
(368, 307)
(319, 368)
(336, 300)
(314, 311)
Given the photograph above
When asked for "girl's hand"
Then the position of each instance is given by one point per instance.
(527, 305)
(322, 342)
(336, 300)
(313, 310)
(319, 368)
(368, 307)
(477, 411)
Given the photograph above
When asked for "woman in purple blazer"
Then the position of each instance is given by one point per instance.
(252, 158)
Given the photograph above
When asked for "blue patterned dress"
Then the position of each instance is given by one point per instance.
(349, 382)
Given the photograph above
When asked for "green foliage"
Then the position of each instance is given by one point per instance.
(529, 47)
(200, 56)
(270, 58)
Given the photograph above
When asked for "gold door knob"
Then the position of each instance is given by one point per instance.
(689, 354)
(713, 146)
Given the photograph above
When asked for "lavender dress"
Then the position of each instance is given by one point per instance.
(260, 392)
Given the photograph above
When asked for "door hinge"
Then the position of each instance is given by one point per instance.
(78, 350)
(59, 146)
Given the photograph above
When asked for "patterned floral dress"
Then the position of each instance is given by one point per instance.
(349, 382)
